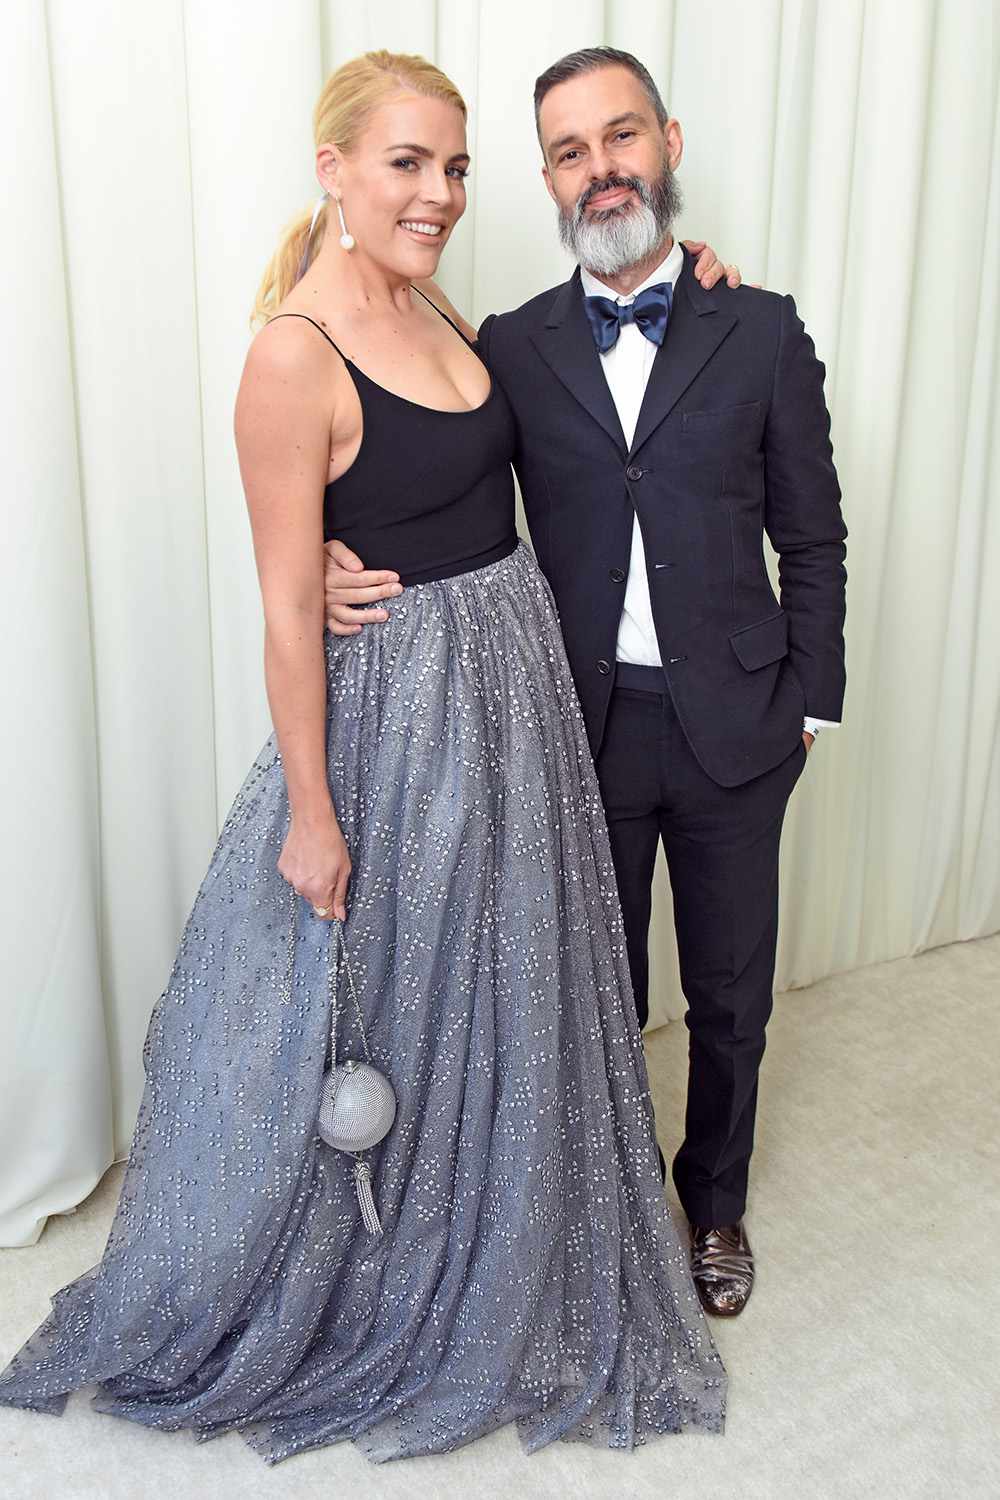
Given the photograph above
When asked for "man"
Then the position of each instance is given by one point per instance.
(662, 429)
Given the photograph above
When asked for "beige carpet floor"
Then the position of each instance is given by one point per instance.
(867, 1363)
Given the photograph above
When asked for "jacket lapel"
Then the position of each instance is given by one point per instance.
(695, 330)
(567, 346)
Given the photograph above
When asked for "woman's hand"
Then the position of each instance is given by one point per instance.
(315, 862)
(708, 267)
(347, 582)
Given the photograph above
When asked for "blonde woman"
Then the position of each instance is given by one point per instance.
(430, 787)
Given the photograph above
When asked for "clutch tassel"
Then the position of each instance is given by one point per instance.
(363, 1183)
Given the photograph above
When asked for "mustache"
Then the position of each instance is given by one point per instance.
(608, 185)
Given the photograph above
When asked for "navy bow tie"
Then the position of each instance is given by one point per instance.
(649, 312)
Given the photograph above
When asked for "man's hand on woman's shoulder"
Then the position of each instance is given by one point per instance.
(709, 268)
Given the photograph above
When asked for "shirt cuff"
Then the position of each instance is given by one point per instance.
(813, 726)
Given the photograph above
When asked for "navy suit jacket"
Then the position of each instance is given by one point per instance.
(732, 441)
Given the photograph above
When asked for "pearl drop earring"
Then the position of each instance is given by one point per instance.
(347, 240)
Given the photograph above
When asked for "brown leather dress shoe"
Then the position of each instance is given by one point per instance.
(722, 1267)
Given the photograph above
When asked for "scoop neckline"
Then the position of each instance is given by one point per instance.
(440, 411)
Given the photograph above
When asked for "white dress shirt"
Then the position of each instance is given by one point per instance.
(626, 368)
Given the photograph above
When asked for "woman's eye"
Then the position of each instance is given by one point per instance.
(404, 163)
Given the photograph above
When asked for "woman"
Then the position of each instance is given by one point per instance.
(527, 1268)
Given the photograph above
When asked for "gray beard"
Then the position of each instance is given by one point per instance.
(611, 241)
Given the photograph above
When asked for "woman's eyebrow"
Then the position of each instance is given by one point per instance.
(426, 151)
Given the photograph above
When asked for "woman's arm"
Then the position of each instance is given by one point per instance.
(282, 426)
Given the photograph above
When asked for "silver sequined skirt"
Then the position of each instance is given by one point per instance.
(529, 1269)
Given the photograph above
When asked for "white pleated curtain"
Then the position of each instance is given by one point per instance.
(841, 150)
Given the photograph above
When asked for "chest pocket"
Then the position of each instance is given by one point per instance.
(724, 430)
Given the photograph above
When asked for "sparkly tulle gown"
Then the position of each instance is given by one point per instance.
(528, 1270)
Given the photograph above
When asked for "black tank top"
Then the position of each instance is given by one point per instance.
(430, 493)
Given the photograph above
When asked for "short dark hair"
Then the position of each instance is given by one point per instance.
(588, 60)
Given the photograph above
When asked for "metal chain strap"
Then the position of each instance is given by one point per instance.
(331, 977)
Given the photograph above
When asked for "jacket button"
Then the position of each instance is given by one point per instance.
(604, 667)
(617, 575)
(633, 472)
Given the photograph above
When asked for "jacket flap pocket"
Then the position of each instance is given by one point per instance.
(756, 645)
(722, 418)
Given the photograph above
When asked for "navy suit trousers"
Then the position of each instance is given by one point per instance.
(721, 845)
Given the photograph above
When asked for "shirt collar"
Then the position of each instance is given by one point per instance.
(668, 270)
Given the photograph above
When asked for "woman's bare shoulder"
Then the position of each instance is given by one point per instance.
(287, 336)
(289, 378)
(291, 354)
(433, 291)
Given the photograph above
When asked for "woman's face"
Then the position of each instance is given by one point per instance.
(402, 187)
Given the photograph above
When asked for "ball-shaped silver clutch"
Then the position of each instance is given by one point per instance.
(357, 1106)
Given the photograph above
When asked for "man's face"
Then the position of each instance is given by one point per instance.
(609, 167)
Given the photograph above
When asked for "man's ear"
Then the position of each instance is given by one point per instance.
(547, 177)
(673, 139)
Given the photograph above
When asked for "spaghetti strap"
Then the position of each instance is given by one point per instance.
(315, 325)
(340, 351)
(444, 315)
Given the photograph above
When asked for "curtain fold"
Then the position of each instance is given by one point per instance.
(56, 1095)
(848, 154)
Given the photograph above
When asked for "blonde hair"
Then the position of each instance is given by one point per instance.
(346, 102)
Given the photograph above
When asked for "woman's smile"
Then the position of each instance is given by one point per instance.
(426, 230)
